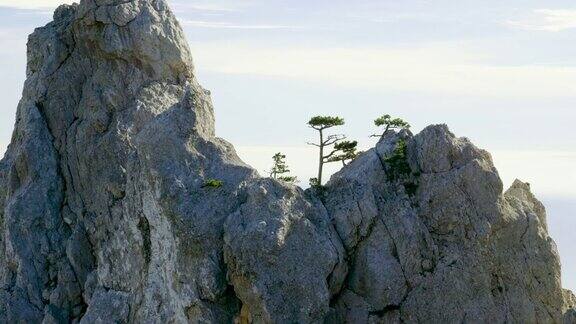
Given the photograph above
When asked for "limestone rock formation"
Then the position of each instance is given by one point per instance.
(570, 307)
(106, 215)
(454, 250)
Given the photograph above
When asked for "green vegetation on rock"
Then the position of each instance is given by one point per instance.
(399, 169)
(279, 169)
(390, 123)
(213, 183)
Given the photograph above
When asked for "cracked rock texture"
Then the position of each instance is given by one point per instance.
(106, 217)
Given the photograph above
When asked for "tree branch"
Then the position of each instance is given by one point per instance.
(330, 142)
(330, 155)
(333, 139)
(312, 144)
(320, 128)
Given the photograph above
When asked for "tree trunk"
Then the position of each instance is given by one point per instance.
(386, 130)
(321, 161)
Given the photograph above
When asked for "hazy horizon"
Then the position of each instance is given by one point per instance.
(502, 74)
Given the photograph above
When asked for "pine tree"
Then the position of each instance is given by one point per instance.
(280, 168)
(390, 123)
(344, 151)
(322, 123)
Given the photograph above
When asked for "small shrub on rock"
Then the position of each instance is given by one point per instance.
(213, 183)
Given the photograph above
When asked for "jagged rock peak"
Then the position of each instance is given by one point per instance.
(108, 214)
(144, 31)
(103, 202)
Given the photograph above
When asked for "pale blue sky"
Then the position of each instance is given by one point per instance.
(500, 72)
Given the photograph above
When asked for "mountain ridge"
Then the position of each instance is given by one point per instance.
(106, 217)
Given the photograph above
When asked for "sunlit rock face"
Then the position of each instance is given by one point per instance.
(106, 216)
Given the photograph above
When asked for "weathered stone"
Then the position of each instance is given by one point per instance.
(454, 250)
(106, 217)
(569, 299)
(114, 140)
(107, 307)
(280, 252)
(570, 307)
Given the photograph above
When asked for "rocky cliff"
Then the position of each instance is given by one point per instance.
(105, 216)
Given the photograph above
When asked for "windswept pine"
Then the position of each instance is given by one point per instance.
(321, 124)
(344, 152)
(390, 123)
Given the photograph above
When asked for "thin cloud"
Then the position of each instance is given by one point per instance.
(211, 6)
(440, 69)
(550, 172)
(548, 20)
(392, 17)
(33, 4)
(13, 42)
(226, 25)
(178, 7)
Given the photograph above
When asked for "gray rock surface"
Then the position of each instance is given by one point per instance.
(281, 250)
(103, 182)
(106, 217)
(570, 307)
(569, 299)
(455, 250)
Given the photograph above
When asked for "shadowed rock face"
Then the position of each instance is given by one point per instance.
(105, 215)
